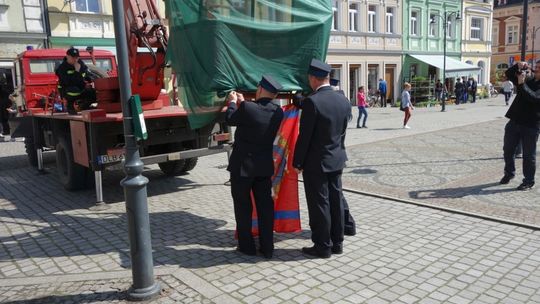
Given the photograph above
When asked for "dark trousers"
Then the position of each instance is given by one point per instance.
(86, 97)
(473, 95)
(4, 120)
(383, 99)
(349, 225)
(513, 134)
(507, 96)
(241, 188)
(325, 208)
(361, 111)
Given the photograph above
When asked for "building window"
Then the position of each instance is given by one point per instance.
(476, 29)
(495, 36)
(449, 29)
(353, 17)
(335, 17)
(414, 23)
(512, 34)
(502, 66)
(390, 27)
(372, 18)
(373, 78)
(87, 6)
(3, 18)
(433, 24)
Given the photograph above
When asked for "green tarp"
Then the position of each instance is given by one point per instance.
(216, 46)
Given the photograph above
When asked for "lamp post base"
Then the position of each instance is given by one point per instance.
(144, 294)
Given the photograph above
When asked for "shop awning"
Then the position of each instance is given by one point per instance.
(453, 67)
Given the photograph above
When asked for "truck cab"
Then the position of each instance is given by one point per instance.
(36, 80)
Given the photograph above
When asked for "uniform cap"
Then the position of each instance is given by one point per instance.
(270, 84)
(73, 52)
(334, 82)
(318, 68)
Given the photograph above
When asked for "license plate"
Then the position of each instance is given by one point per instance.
(112, 156)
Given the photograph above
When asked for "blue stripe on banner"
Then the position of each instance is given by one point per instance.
(287, 215)
(254, 223)
(291, 114)
(279, 150)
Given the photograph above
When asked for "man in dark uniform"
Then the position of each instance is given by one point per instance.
(524, 124)
(320, 155)
(72, 73)
(251, 163)
(348, 220)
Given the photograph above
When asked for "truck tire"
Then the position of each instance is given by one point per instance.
(72, 175)
(31, 151)
(173, 167)
(190, 164)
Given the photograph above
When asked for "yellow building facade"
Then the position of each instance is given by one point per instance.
(476, 37)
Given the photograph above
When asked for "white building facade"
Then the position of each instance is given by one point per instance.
(366, 45)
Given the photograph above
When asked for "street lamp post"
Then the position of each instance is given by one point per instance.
(144, 286)
(535, 29)
(445, 18)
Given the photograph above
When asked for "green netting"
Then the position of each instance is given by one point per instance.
(216, 46)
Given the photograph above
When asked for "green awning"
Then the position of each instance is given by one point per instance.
(87, 41)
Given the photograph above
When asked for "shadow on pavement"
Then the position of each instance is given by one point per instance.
(458, 192)
(70, 236)
(93, 297)
(386, 129)
(364, 171)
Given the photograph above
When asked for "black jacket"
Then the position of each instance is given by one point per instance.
(257, 125)
(525, 109)
(69, 78)
(321, 142)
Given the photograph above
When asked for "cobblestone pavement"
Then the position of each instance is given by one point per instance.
(457, 168)
(54, 247)
(98, 291)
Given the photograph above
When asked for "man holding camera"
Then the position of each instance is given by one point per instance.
(524, 124)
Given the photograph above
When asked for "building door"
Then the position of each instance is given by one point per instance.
(389, 76)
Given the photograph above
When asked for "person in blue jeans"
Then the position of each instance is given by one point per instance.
(382, 92)
(362, 105)
(524, 124)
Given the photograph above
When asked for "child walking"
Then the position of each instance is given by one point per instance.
(362, 105)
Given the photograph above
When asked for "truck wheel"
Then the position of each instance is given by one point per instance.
(190, 164)
(173, 167)
(72, 175)
(31, 151)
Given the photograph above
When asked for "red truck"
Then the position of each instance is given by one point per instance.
(87, 143)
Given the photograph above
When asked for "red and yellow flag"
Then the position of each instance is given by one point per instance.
(285, 179)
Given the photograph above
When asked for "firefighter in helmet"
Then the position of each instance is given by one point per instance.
(73, 76)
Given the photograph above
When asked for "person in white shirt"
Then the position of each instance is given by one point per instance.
(508, 88)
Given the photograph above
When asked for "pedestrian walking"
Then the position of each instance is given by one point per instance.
(459, 90)
(508, 89)
(524, 124)
(406, 104)
(465, 96)
(438, 91)
(362, 105)
(383, 91)
(251, 164)
(472, 88)
(320, 156)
